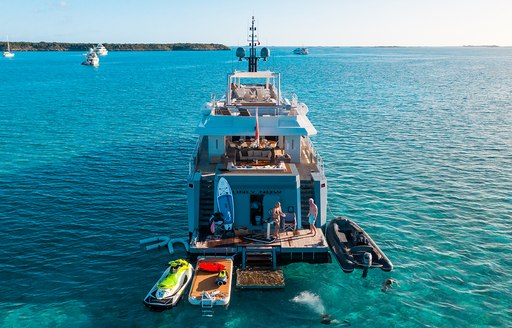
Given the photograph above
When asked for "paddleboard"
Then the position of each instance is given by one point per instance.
(225, 203)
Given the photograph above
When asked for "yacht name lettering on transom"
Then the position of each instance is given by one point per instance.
(258, 192)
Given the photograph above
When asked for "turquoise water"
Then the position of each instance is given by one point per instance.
(417, 145)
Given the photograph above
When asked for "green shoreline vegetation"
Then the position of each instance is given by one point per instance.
(60, 46)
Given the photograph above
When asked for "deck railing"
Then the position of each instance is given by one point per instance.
(315, 156)
(194, 158)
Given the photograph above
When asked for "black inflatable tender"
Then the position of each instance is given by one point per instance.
(349, 243)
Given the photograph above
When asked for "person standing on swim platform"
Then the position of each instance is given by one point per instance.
(312, 214)
(277, 213)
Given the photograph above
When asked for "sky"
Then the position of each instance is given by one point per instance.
(279, 22)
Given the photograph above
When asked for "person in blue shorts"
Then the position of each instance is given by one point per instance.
(312, 214)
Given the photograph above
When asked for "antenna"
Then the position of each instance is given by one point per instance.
(253, 42)
(253, 59)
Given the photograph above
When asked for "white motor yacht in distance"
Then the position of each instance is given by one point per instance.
(91, 58)
(101, 50)
(259, 142)
(301, 51)
(8, 53)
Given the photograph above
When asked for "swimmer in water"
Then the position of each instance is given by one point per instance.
(389, 283)
(326, 319)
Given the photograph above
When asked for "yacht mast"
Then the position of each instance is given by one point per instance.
(253, 59)
(253, 42)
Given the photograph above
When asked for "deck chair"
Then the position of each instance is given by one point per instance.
(225, 111)
(289, 222)
(244, 112)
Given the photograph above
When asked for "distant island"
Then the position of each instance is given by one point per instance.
(480, 46)
(59, 46)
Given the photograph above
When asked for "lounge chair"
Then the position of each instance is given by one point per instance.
(244, 112)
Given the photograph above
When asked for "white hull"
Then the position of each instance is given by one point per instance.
(167, 298)
(91, 59)
(94, 63)
(100, 50)
(8, 53)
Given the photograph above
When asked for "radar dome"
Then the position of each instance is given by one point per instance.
(265, 53)
(240, 53)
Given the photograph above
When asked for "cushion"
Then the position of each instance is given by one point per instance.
(290, 217)
(239, 93)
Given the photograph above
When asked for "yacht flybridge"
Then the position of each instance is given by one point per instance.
(253, 151)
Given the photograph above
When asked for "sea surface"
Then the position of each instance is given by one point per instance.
(417, 145)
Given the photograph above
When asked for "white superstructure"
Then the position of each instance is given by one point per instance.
(101, 50)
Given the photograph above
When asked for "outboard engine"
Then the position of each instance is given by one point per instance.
(367, 263)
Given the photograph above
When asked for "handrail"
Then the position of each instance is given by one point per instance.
(194, 158)
(316, 156)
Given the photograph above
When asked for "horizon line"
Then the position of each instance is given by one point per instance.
(285, 46)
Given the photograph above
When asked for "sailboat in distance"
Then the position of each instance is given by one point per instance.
(8, 53)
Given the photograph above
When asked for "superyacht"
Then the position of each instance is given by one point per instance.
(254, 151)
(101, 50)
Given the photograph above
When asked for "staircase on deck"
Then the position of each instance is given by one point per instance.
(206, 204)
(306, 192)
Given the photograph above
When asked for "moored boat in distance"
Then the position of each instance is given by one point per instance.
(8, 53)
(353, 248)
(91, 58)
(101, 50)
(301, 51)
